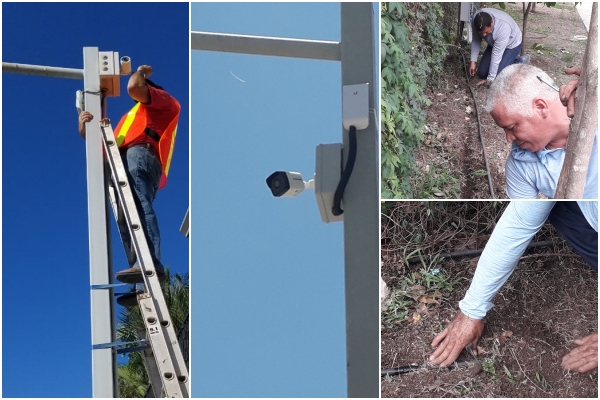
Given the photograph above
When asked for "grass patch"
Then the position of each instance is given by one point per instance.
(567, 58)
(437, 182)
(563, 6)
(416, 290)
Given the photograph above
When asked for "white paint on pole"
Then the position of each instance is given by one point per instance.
(104, 382)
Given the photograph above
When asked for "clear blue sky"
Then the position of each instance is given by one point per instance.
(267, 275)
(46, 340)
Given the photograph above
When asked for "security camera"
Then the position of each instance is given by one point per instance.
(287, 184)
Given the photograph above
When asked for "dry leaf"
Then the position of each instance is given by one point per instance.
(427, 142)
(413, 318)
(468, 110)
(422, 309)
(504, 335)
(430, 298)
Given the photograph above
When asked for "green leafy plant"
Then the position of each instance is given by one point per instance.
(410, 62)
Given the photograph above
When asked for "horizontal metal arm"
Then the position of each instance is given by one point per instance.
(267, 46)
(28, 69)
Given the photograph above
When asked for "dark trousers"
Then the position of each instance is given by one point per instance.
(570, 222)
(509, 57)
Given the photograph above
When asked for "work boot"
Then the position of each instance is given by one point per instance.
(129, 299)
(134, 275)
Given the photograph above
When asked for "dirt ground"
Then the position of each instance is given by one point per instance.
(452, 140)
(550, 300)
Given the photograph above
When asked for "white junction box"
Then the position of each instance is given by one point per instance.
(328, 172)
(109, 67)
(355, 106)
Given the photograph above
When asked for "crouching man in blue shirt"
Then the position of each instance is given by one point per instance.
(536, 122)
(577, 222)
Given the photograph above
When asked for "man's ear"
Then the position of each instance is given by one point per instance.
(541, 107)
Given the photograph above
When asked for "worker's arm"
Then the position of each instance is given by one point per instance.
(501, 38)
(515, 229)
(84, 117)
(475, 45)
(137, 86)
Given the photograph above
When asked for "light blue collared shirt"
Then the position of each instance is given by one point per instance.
(519, 223)
(528, 173)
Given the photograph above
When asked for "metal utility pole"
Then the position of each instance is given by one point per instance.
(361, 197)
(104, 361)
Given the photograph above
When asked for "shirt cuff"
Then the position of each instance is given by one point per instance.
(473, 307)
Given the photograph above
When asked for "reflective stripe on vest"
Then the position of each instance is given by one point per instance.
(132, 126)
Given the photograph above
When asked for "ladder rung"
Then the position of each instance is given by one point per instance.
(120, 346)
(107, 286)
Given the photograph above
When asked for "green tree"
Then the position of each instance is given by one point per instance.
(133, 380)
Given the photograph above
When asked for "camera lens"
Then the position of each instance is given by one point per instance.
(278, 183)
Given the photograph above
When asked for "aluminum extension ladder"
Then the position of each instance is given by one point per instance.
(163, 358)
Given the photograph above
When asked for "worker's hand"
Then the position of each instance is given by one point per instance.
(146, 69)
(567, 92)
(461, 331)
(472, 68)
(84, 117)
(584, 357)
(482, 82)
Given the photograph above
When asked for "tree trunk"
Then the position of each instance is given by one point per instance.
(525, 15)
(458, 32)
(584, 123)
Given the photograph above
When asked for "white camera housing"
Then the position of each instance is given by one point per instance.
(287, 183)
(328, 172)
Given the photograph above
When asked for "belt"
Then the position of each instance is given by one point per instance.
(146, 145)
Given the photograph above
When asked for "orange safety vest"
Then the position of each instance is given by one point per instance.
(132, 126)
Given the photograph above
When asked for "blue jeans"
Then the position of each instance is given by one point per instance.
(509, 57)
(143, 171)
(569, 221)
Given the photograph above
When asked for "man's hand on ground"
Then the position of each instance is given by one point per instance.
(584, 357)
(472, 68)
(567, 92)
(461, 331)
(482, 82)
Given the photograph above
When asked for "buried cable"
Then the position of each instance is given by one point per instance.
(412, 368)
(461, 51)
(472, 252)
(339, 191)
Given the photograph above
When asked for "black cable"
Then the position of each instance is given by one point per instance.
(412, 368)
(347, 171)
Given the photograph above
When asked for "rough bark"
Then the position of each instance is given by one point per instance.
(585, 121)
(525, 15)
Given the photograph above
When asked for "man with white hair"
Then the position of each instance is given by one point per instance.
(535, 121)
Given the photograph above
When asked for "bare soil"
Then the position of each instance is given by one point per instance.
(452, 140)
(550, 300)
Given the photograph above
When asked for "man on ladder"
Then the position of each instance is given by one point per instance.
(146, 138)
